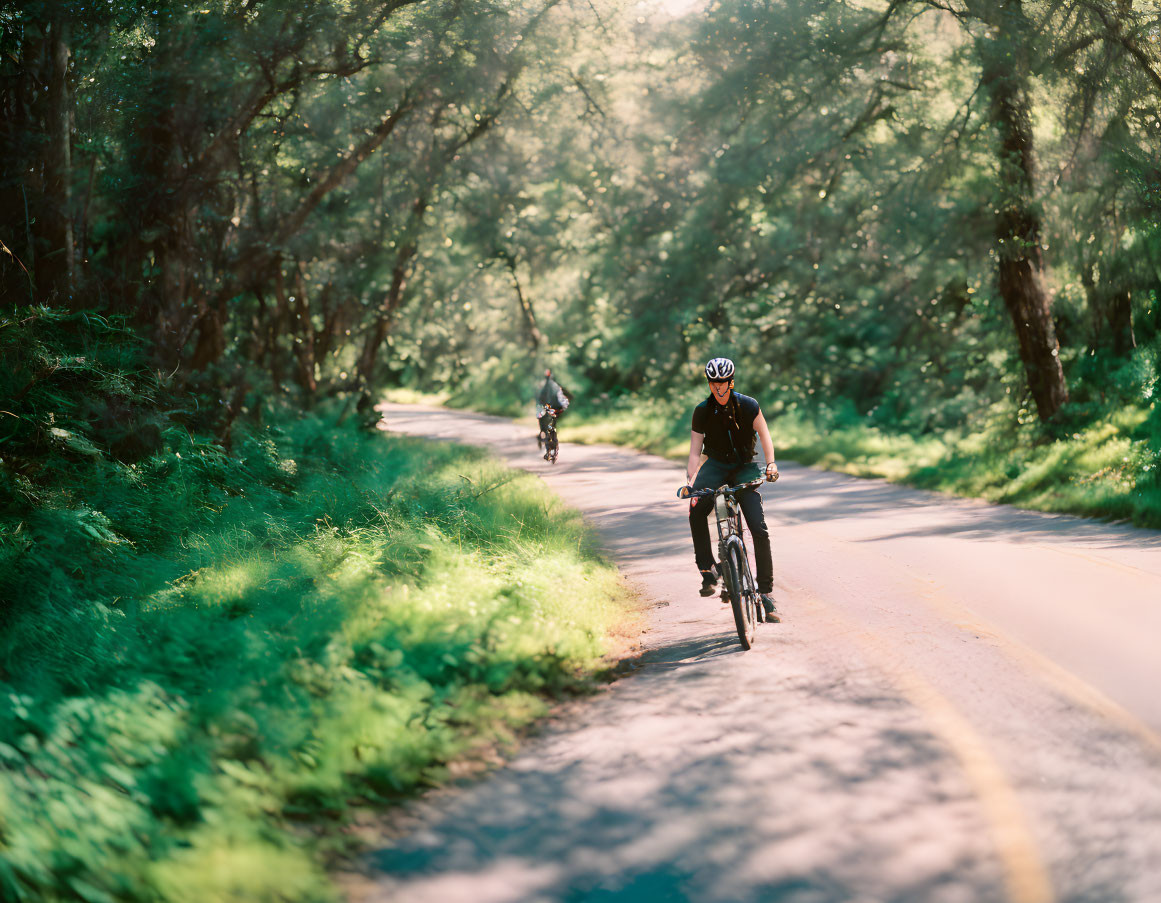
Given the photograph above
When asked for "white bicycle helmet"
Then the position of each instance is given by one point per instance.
(719, 368)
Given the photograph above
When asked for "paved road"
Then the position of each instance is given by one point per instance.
(962, 704)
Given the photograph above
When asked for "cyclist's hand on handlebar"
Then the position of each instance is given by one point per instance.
(771, 472)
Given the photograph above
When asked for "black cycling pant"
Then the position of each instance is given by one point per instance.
(713, 474)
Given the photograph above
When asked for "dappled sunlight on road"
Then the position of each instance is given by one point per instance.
(959, 705)
(676, 786)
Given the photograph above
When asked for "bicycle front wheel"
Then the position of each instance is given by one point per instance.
(740, 600)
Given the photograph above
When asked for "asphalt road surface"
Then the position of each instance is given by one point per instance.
(963, 703)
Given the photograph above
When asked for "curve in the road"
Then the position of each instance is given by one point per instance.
(1066, 682)
(960, 705)
(1025, 873)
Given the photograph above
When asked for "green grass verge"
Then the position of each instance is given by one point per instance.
(208, 656)
(1109, 469)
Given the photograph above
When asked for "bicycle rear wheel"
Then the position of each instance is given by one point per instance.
(740, 596)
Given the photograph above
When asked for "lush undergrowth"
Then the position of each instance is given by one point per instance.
(203, 656)
(1109, 467)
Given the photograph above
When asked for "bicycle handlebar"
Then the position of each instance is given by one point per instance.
(685, 492)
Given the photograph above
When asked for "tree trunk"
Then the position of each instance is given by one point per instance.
(304, 335)
(1020, 266)
(55, 259)
(391, 301)
(17, 122)
(181, 303)
(531, 331)
(324, 338)
(269, 323)
(163, 235)
(1111, 306)
(1119, 311)
(400, 273)
(1095, 309)
(211, 341)
(83, 238)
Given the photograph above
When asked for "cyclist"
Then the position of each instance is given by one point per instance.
(726, 425)
(551, 395)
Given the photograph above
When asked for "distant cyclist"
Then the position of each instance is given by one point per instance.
(726, 426)
(551, 401)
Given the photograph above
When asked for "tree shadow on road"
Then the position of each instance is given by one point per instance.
(679, 791)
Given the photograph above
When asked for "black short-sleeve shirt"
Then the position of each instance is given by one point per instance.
(728, 429)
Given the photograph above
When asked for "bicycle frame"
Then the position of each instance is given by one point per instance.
(551, 442)
(734, 559)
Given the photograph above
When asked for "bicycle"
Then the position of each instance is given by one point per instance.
(550, 442)
(733, 558)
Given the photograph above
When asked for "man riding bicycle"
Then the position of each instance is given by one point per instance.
(726, 425)
(551, 395)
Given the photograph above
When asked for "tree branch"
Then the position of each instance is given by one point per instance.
(1117, 34)
(341, 170)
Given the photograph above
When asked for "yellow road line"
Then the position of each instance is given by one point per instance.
(1056, 676)
(1025, 875)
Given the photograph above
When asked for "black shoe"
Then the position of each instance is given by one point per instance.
(771, 611)
(709, 582)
